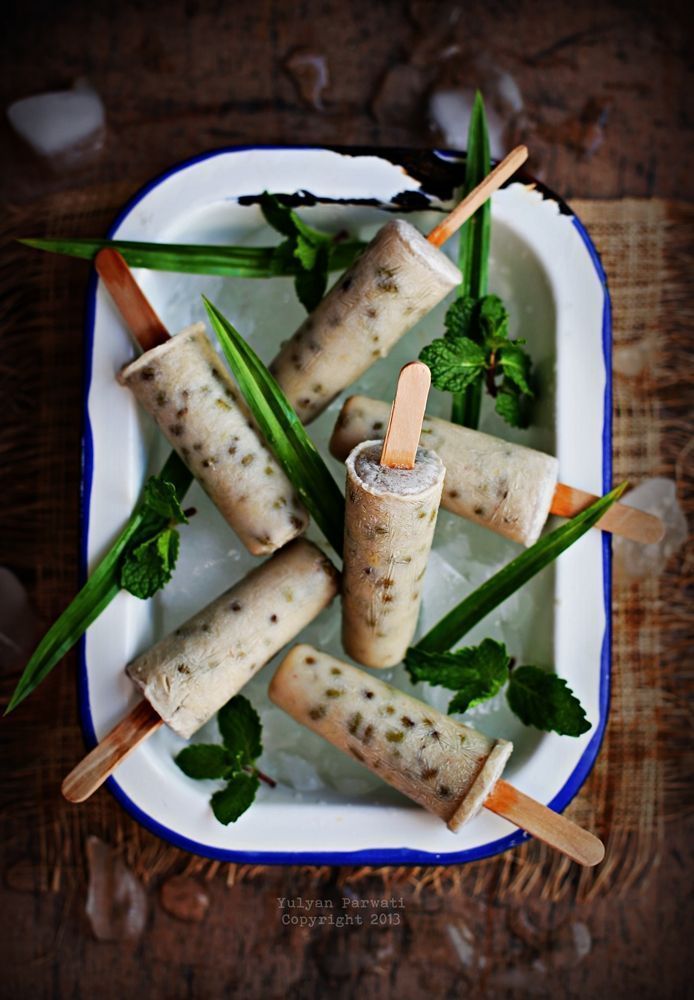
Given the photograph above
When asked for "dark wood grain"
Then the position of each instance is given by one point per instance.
(606, 89)
(607, 112)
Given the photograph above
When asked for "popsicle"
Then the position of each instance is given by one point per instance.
(190, 674)
(392, 501)
(448, 768)
(183, 385)
(399, 278)
(505, 487)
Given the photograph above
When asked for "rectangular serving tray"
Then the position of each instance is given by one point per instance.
(548, 272)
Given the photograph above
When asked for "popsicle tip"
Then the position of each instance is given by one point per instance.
(465, 209)
(521, 152)
(72, 789)
(416, 367)
(593, 853)
(406, 416)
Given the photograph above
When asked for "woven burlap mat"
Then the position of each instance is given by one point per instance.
(638, 780)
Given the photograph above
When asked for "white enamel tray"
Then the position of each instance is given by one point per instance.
(326, 808)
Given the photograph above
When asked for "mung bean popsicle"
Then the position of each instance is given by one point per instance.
(392, 499)
(505, 487)
(399, 278)
(183, 385)
(449, 768)
(191, 673)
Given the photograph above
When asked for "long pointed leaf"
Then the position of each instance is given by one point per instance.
(453, 626)
(473, 251)
(97, 593)
(286, 436)
(240, 262)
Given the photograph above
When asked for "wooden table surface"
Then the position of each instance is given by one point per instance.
(602, 94)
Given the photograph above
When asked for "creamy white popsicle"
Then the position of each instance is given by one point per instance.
(183, 385)
(191, 673)
(506, 487)
(397, 280)
(390, 516)
(445, 766)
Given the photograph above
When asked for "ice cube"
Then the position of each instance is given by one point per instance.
(63, 125)
(631, 359)
(450, 111)
(634, 561)
(116, 901)
(309, 72)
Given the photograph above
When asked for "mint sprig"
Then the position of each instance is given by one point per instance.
(148, 562)
(232, 761)
(105, 580)
(304, 246)
(476, 352)
(476, 348)
(477, 673)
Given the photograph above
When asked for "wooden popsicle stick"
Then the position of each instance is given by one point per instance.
(620, 519)
(406, 416)
(140, 318)
(548, 826)
(91, 772)
(477, 197)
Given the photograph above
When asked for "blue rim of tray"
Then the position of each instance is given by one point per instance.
(375, 856)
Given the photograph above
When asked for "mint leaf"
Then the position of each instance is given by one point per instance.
(513, 406)
(277, 215)
(546, 701)
(149, 566)
(455, 362)
(475, 673)
(159, 497)
(306, 252)
(459, 318)
(205, 760)
(304, 244)
(507, 405)
(515, 363)
(310, 284)
(231, 802)
(240, 726)
(309, 233)
(492, 319)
